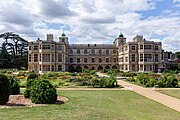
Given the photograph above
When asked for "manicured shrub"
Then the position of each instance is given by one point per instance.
(93, 72)
(30, 83)
(32, 76)
(143, 78)
(43, 92)
(4, 89)
(14, 86)
(111, 82)
(172, 81)
(151, 83)
(95, 82)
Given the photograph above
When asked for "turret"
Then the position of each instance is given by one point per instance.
(49, 37)
(63, 38)
(120, 40)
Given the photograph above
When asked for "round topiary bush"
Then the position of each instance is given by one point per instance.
(4, 89)
(43, 92)
(30, 83)
(14, 86)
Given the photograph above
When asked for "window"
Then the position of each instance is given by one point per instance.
(40, 56)
(29, 47)
(126, 59)
(107, 52)
(114, 60)
(71, 51)
(114, 51)
(85, 51)
(150, 67)
(126, 67)
(107, 60)
(133, 58)
(52, 47)
(35, 57)
(133, 47)
(122, 67)
(147, 47)
(46, 47)
(145, 67)
(46, 67)
(52, 68)
(156, 67)
(35, 47)
(133, 68)
(40, 46)
(59, 47)
(141, 46)
(141, 57)
(147, 57)
(141, 68)
(100, 60)
(156, 48)
(100, 52)
(46, 58)
(63, 40)
(29, 57)
(59, 57)
(126, 48)
(78, 60)
(93, 52)
(156, 57)
(78, 51)
(93, 60)
(122, 59)
(59, 68)
(52, 58)
(85, 60)
(71, 60)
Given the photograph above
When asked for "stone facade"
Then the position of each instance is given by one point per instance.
(137, 56)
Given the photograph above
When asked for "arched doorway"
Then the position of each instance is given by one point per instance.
(78, 69)
(107, 67)
(114, 67)
(100, 67)
(71, 68)
(92, 68)
(85, 67)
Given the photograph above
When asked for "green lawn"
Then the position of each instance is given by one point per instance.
(96, 105)
(173, 93)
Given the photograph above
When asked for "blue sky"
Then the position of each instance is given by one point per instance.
(94, 21)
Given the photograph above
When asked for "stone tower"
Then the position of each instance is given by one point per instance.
(120, 40)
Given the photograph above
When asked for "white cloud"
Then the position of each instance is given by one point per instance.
(92, 21)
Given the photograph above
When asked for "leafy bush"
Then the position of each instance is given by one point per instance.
(22, 83)
(95, 82)
(169, 81)
(32, 76)
(4, 89)
(105, 82)
(3, 71)
(143, 78)
(43, 93)
(93, 72)
(14, 86)
(128, 74)
(30, 83)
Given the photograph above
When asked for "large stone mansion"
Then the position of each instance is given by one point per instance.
(137, 56)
